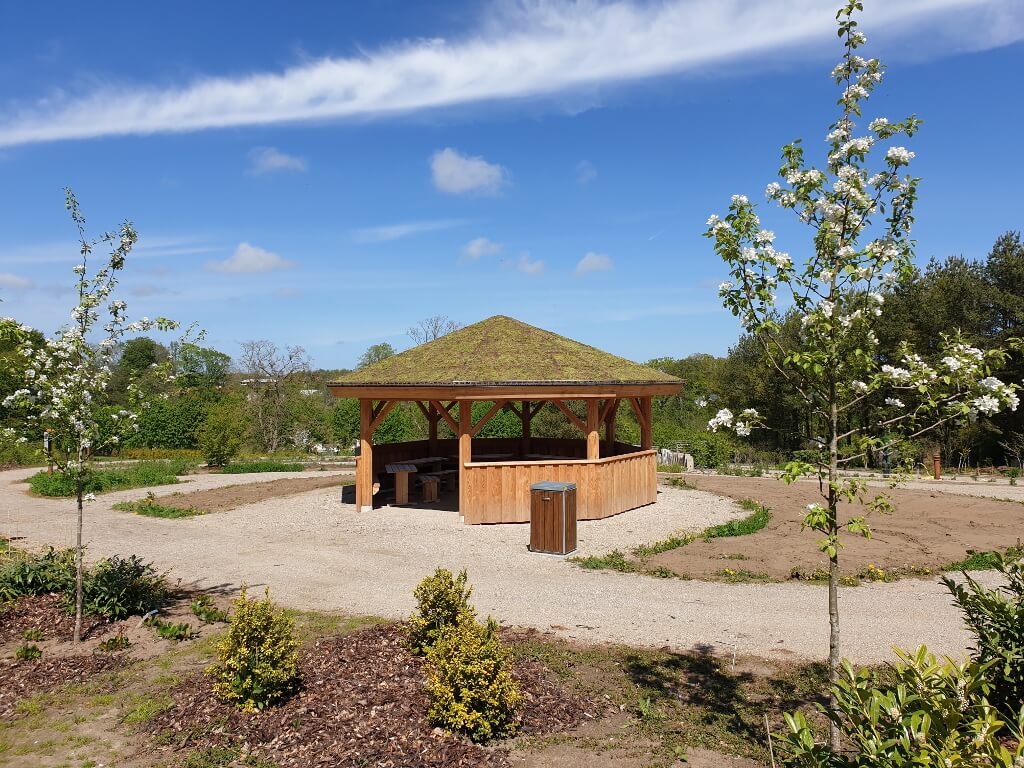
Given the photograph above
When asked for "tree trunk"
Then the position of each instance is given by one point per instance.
(833, 572)
(78, 563)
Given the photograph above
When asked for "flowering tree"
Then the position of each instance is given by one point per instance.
(67, 377)
(860, 210)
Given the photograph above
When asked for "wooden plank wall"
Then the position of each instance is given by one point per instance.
(500, 492)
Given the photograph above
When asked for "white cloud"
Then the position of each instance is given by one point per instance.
(249, 258)
(402, 229)
(585, 172)
(528, 266)
(9, 280)
(458, 174)
(270, 159)
(479, 247)
(517, 51)
(593, 262)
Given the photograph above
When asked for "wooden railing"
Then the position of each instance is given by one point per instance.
(499, 492)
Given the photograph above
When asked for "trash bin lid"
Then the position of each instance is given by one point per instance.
(551, 485)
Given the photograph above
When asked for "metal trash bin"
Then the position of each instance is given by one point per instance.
(553, 518)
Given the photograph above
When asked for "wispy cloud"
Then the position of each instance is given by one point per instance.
(593, 262)
(459, 174)
(526, 265)
(517, 51)
(249, 258)
(585, 172)
(402, 229)
(263, 160)
(479, 247)
(66, 251)
(9, 280)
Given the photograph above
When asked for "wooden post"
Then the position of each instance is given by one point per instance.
(364, 468)
(646, 434)
(465, 449)
(525, 446)
(432, 418)
(609, 429)
(593, 428)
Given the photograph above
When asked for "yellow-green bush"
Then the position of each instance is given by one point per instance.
(442, 600)
(258, 660)
(470, 682)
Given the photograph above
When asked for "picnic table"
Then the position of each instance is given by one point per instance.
(401, 470)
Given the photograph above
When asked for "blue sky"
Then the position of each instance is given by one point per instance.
(328, 176)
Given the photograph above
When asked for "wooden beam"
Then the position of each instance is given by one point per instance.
(451, 405)
(423, 409)
(487, 417)
(572, 417)
(377, 407)
(609, 429)
(381, 414)
(536, 410)
(646, 431)
(593, 429)
(364, 467)
(465, 451)
(608, 405)
(512, 407)
(526, 415)
(638, 409)
(444, 414)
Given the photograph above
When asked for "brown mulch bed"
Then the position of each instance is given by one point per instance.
(233, 496)
(362, 704)
(45, 613)
(22, 679)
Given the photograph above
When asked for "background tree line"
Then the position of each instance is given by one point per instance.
(271, 399)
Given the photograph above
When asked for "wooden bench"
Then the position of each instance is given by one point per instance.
(431, 485)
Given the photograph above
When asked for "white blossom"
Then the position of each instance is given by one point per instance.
(721, 419)
(739, 200)
(895, 402)
(899, 155)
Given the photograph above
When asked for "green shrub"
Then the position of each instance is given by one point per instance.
(119, 587)
(258, 661)
(27, 652)
(204, 608)
(262, 466)
(118, 642)
(470, 682)
(222, 434)
(924, 713)
(752, 523)
(441, 600)
(996, 618)
(51, 571)
(32, 634)
(167, 630)
(139, 475)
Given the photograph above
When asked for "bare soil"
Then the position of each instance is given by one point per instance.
(928, 531)
(233, 496)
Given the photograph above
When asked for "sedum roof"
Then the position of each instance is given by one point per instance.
(502, 350)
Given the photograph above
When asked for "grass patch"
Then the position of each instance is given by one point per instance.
(148, 507)
(613, 561)
(743, 576)
(674, 469)
(139, 475)
(204, 608)
(616, 560)
(752, 523)
(983, 561)
(261, 466)
(682, 483)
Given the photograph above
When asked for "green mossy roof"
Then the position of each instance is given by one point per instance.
(501, 350)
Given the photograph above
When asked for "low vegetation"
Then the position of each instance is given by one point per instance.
(114, 588)
(616, 560)
(149, 507)
(142, 474)
(262, 466)
(204, 608)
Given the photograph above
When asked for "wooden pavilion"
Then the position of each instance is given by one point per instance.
(516, 366)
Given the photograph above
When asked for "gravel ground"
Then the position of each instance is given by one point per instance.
(317, 553)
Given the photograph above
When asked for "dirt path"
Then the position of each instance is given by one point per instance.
(316, 552)
(929, 530)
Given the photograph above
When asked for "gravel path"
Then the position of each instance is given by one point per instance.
(316, 552)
